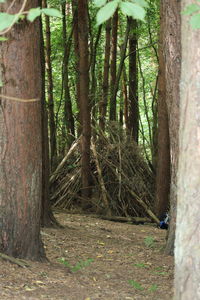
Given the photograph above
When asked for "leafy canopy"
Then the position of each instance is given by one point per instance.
(133, 8)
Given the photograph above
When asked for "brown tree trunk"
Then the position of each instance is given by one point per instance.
(133, 82)
(68, 113)
(76, 52)
(172, 54)
(120, 69)
(20, 142)
(187, 259)
(47, 217)
(52, 125)
(103, 103)
(163, 158)
(84, 96)
(113, 65)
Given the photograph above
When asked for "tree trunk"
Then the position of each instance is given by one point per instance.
(52, 125)
(172, 54)
(113, 66)
(163, 158)
(76, 52)
(84, 96)
(133, 82)
(103, 103)
(187, 259)
(68, 113)
(20, 142)
(47, 217)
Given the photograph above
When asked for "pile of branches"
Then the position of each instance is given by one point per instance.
(123, 183)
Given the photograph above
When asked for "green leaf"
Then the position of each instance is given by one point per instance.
(2, 1)
(33, 14)
(133, 10)
(195, 21)
(6, 20)
(3, 39)
(52, 12)
(142, 3)
(190, 9)
(136, 285)
(153, 288)
(106, 12)
(99, 3)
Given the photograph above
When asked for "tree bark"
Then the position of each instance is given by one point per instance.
(133, 82)
(68, 113)
(113, 66)
(103, 103)
(84, 97)
(163, 158)
(172, 54)
(47, 217)
(52, 124)
(187, 259)
(20, 141)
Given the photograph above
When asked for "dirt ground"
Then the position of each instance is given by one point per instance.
(92, 259)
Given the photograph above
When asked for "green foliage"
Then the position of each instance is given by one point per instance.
(134, 9)
(3, 39)
(153, 288)
(140, 265)
(106, 11)
(33, 14)
(149, 241)
(190, 9)
(195, 18)
(6, 20)
(78, 266)
(136, 285)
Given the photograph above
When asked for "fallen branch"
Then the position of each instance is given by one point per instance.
(21, 263)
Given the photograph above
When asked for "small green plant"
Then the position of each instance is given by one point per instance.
(140, 265)
(153, 288)
(78, 266)
(160, 273)
(136, 285)
(149, 241)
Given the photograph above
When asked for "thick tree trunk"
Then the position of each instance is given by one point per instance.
(113, 66)
(172, 54)
(163, 158)
(187, 259)
(133, 82)
(84, 97)
(20, 142)
(52, 124)
(103, 103)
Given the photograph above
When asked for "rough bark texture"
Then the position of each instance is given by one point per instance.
(163, 158)
(187, 259)
(84, 96)
(104, 101)
(133, 82)
(20, 140)
(172, 55)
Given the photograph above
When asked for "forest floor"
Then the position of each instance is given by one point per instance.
(93, 259)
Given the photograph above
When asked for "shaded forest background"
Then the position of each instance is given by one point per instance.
(112, 102)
